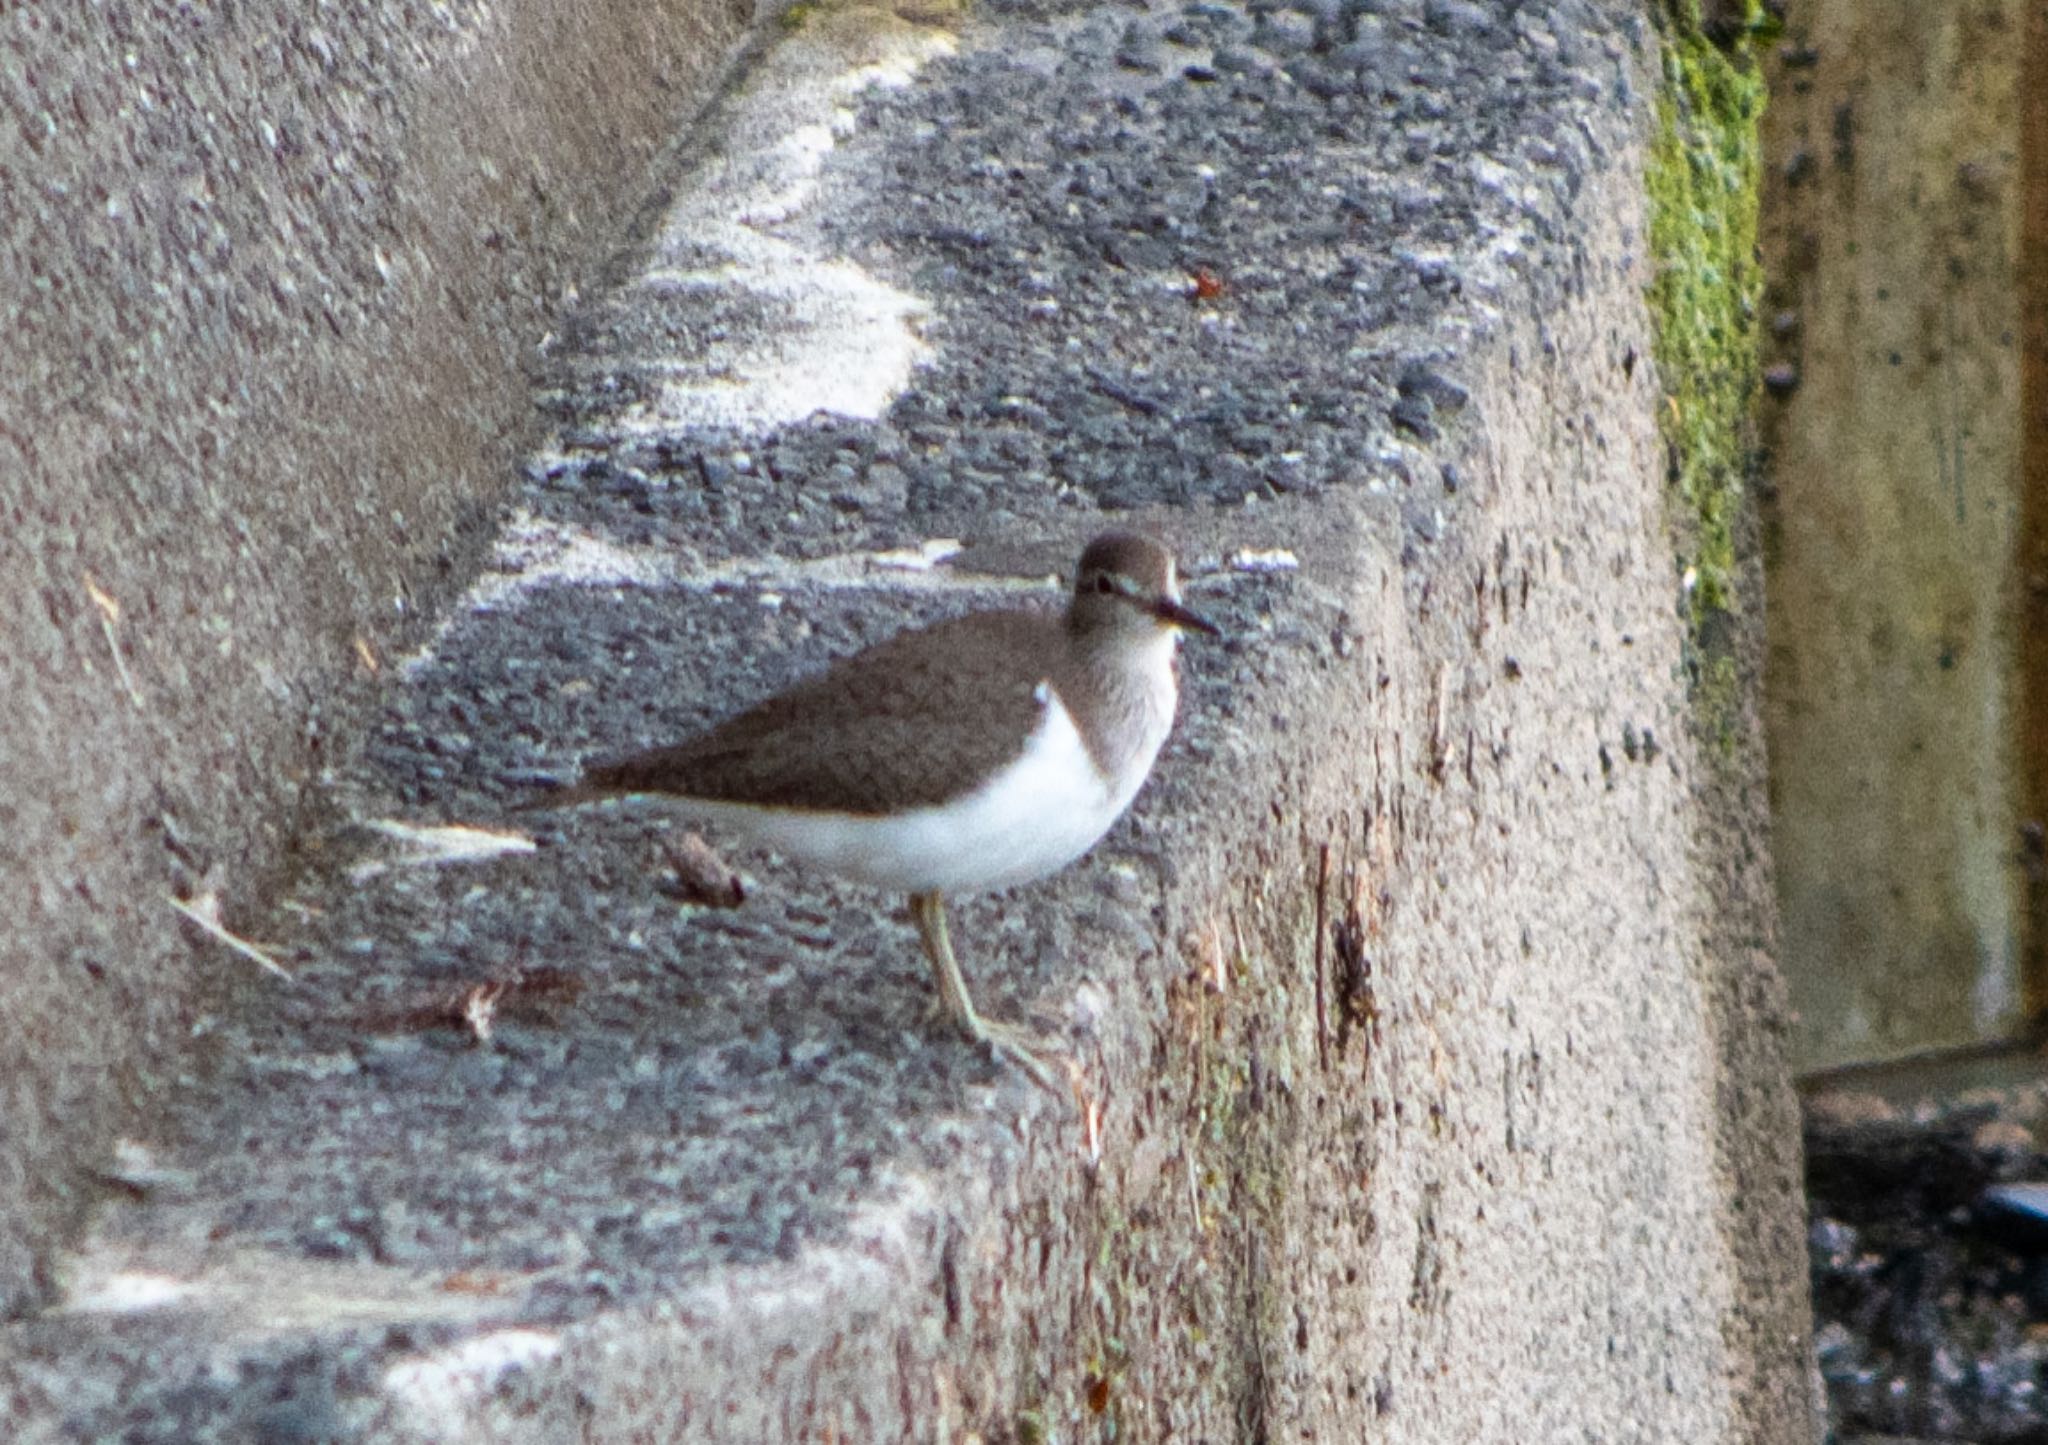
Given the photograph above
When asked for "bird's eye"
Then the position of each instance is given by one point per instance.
(1103, 584)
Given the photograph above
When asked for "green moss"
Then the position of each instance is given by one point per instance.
(1717, 694)
(1238, 1146)
(1702, 179)
(793, 18)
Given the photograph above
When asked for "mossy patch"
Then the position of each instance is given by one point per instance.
(1195, 1270)
(793, 18)
(1702, 179)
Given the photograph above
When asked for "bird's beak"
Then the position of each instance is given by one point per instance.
(1171, 611)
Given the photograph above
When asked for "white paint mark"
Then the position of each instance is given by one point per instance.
(532, 553)
(797, 330)
(130, 1293)
(438, 1390)
(1264, 559)
(921, 558)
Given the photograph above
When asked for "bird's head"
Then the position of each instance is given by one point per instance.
(1126, 587)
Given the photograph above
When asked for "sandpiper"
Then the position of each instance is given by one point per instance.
(981, 752)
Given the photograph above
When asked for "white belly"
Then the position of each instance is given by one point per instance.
(1034, 818)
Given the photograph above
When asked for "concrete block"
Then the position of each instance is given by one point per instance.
(269, 278)
(1431, 1076)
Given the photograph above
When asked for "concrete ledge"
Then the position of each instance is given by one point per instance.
(269, 279)
(1433, 1051)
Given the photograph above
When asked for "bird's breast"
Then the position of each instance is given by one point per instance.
(1031, 818)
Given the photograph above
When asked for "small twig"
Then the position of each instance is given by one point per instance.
(425, 845)
(1439, 738)
(198, 914)
(700, 876)
(1322, 935)
(110, 614)
(1122, 394)
(1091, 1124)
(473, 1281)
(476, 1008)
(479, 1007)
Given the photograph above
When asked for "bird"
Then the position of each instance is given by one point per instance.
(977, 753)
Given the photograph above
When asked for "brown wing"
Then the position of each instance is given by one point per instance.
(912, 722)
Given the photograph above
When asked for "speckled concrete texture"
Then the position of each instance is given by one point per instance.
(1433, 1079)
(269, 277)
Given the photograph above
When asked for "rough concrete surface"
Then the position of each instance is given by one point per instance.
(1433, 1086)
(269, 275)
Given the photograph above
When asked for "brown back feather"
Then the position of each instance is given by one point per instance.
(912, 722)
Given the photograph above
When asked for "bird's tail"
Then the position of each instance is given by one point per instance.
(658, 770)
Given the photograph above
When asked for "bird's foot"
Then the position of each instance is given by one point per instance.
(1054, 1073)
(1008, 1043)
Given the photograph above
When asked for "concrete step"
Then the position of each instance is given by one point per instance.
(1427, 1085)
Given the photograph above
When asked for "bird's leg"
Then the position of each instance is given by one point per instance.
(1005, 1041)
(929, 909)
